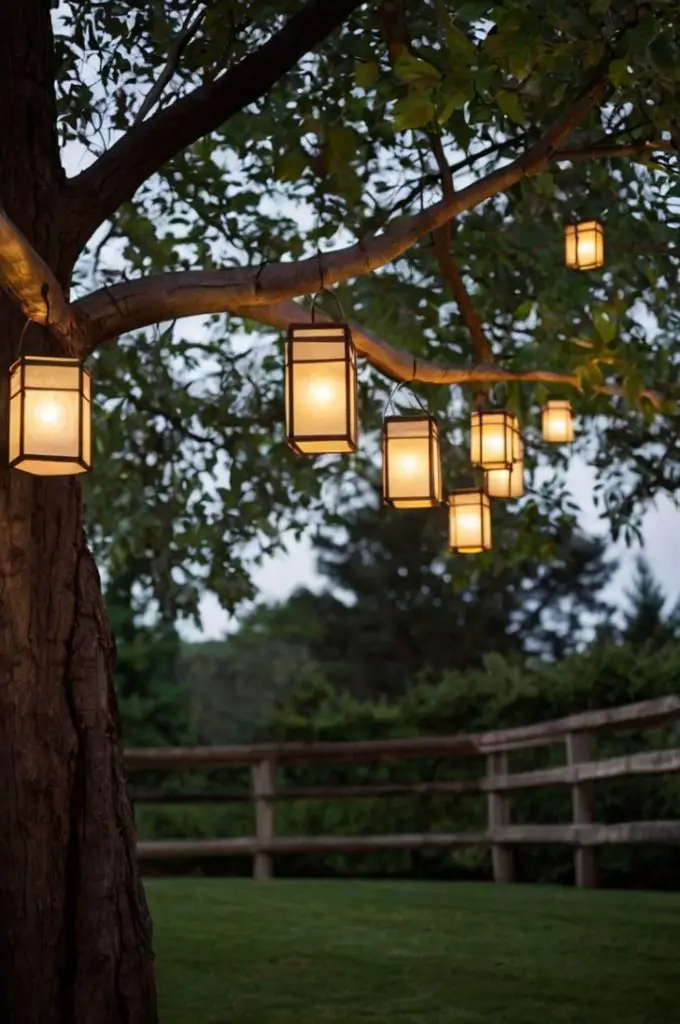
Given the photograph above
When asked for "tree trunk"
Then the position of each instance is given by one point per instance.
(75, 934)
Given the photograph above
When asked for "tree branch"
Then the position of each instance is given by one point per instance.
(401, 365)
(443, 239)
(26, 277)
(100, 189)
(188, 29)
(133, 304)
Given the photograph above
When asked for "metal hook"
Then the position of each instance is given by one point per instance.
(335, 298)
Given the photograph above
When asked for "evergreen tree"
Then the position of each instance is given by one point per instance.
(391, 612)
(644, 619)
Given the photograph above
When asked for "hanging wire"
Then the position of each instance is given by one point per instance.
(324, 290)
(390, 401)
(22, 336)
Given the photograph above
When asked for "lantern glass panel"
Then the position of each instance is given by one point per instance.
(411, 462)
(321, 390)
(50, 416)
(506, 483)
(469, 521)
(584, 245)
(558, 422)
(494, 439)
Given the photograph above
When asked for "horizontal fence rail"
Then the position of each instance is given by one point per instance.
(576, 732)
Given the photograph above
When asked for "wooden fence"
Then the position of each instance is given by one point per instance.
(576, 733)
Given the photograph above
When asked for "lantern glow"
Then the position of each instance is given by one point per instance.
(557, 422)
(469, 521)
(321, 389)
(412, 473)
(50, 416)
(505, 483)
(584, 245)
(495, 441)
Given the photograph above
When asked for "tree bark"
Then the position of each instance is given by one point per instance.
(75, 934)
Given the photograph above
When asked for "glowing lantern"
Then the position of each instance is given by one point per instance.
(321, 389)
(506, 483)
(584, 245)
(469, 521)
(412, 468)
(495, 441)
(50, 416)
(558, 422)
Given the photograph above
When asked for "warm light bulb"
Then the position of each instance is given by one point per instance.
(49, 413)
(409, 465)
(321, 392)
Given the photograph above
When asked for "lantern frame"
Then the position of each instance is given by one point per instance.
(313, 333)
(561, 405)
(503, 419)
(573, 238)
(483, 503)
(18, 388)
(432, 439)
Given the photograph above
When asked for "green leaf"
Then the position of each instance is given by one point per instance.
(453, 95)
(415, 71)
(510, 105)
(605, 325)
(414, 110)
(366, 74)
(632, 387)
(618, 72)
(290, 166)
(460, 47)
(599, 6)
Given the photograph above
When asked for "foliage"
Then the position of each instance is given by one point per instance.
(338, 149)
(395, 609)
(153, 695)
(644, 619)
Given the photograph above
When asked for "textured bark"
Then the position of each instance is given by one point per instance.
(74, 927)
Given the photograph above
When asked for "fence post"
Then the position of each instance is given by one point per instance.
(262, 775)
(579, 749)
(498, 809)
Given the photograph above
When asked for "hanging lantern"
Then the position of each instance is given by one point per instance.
(506, 483)
(321, 389)
(558, 422)
(584, 245)
(495, 441)
(50, 416)
(469, 521)
(412, 465)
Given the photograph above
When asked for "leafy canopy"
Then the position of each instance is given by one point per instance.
(193, 479)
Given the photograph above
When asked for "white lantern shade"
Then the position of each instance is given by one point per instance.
(495, 441)
(584, 245)
(321, 389)
(50, 416)
(469, 521)
(412, 467)
(557, 422)
(505, 483)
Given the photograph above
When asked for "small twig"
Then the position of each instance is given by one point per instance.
(188, 29)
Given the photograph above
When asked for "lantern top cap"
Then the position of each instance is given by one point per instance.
(48, 361)
(410, 416)
(319, 325)
(493, 410)
(557, 403)
(473, 489)
(592, 223)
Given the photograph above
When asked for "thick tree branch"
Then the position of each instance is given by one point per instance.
(188, 29)
(134, 304)
(26, 277)
(401, 365)
(116, 176)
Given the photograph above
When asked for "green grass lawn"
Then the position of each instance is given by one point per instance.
(284, 952)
